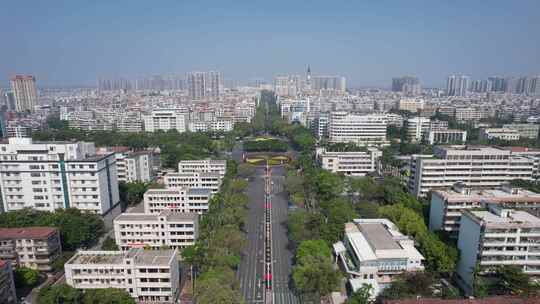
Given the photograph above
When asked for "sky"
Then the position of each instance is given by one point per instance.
(74, 42)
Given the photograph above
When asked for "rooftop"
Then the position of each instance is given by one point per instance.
(506, 219)
(490, 300)
(497, 195)
(171, 216)
(141, 257)
(27, 233)
(378, 236)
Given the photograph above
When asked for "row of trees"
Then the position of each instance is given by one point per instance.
(63, 293)
(272, 145)
(217, 252)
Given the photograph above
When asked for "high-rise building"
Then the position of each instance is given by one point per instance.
(510, 85)
(287, 85)
(25, 92)
(10, 101)
(204, 84)
(329, 83)
(114, 84)
(457, 85)
(497, 83)
(407, 85)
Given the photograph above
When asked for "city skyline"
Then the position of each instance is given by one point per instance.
(369, 44)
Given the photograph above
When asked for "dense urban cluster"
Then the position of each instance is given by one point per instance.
(141, 191)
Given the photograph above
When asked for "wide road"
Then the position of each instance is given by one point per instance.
(251, 270)
(282, 256)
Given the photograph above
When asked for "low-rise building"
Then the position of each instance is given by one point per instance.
(497, 237)
(448, 205)
(525, 130)
(374, 252)
(358, 163)
(167, 229)
(361, 129)
(134, 166)
(7, 284)
(417, 127)
(166, 119)
(499, 133)
(475, 166)
(200, 180)
(203, 165)
(32, 247)
(450, 136)
(149, 276)
(183, 200)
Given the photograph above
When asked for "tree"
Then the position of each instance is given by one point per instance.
(314, 273)
(328, 185)
(107, 296)
(217, 285)
(109, 244)
(238, 185)
(410, 285)
(62, 293)
(246, 170)
(26, 277)
(512, 280)
(361, 296)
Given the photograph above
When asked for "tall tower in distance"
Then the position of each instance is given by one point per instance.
(25, 92)
(308, 78)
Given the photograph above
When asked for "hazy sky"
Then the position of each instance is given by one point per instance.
(75, 41)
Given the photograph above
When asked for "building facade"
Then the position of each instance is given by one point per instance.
(448, 205)
(525, 130)
(199, 180)
(450, 136)
(203, 165)
(149, 276)
(165, 120)
(499, 133)
(481, 167)
(497, 237)
(359, 163)
(356, 128)
(25, 92)
(51, 175)
(134, 166)
(32, 247)
(167, 229)
(183, 200)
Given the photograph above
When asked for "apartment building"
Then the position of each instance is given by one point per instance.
(410, 104)
(200, 180)
(33, 247)
(531, 153)
(417, 127)
(168, 228)
(358, 163)
(497, 237)
(374, 252)
(165, 120)
(203, 165)
(499, 133)
(475, 166)
(448, 205)
(369, 129)
(183, 200)
(526, 130)
(7, 284)
(53, 175)
(216, 125)
(450, 136)
(466, 114)
(134, 166)
(149, 276)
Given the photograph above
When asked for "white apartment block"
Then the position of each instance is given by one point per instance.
(450, 136)
(165, 120)
(497, 237)
(417, 127)
(499, 133)
(375, 252)
(134, 166)
(182, 200)
(531, 153)
(411, 104)
(480, 167)
(167, 229)
(361, 129)
(448, 205)
(200, 180)
(527, 130)
(359, 163)
(224, 125)
(203, 165)
(464, 114)
(53, 175)
(149, 276)
(32, 247)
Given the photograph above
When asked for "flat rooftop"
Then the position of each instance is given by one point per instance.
(497, 195)
(171, 216)
(140, 255)
(378, 236)
(26, 233)
(515, 217)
